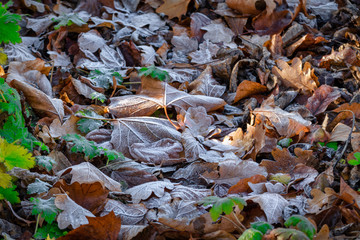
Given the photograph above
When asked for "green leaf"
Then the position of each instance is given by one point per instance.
(303, 224)
(10, 194)
(283, 178)
(68, 20)
(45, 161)
(251, 234)
(154, 72)
(86, 125)
(45, 207)
(333, 145)
(49, 229)
(221, 205)
(9, 27)
(288, 234)
(104, 79)
(98, 96)
(82, 145)
(113, 155)
(262, 226)
(12, 155)
(38, 187)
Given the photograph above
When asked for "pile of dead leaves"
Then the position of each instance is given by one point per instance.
(254, 98)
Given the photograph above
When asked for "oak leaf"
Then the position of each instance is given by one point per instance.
(321, 99)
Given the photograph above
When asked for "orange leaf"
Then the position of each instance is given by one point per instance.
(247, 88)
(174, 8)
(243, 186)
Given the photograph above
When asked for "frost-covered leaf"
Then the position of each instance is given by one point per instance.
(45, 207)
(145, 190)
(67, 20)
(38, 187)
(45, 161)
(72, 214)
(104, 78)
(87, 173)
(86, 125)
(82, 145)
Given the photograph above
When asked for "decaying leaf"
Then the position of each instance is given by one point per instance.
(321, 99)
(174, 8)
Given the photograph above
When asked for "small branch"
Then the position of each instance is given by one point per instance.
(17, 216)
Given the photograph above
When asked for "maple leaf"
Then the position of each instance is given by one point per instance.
(10, 194)
(296, 76)
(82, 145)
(9, 28)
(174, 8)
(38, 187)
(68, 20)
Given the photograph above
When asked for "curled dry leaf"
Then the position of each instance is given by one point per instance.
(87, 173)
(345, 56)
(242, 185)
(251, 7)
(296, 76)
(345, 111)
(321, 99)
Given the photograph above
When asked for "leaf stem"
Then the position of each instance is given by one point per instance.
(235, 224)
(37, 223)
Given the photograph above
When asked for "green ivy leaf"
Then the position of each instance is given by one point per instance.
(104, 79)
(45, 207)
(38, 187)
(285, 142)
(154, 72)
(45, 161)
(49, 229)
(303, 224)
(68, 20)
(251, 234)
(82, 145)
(98, 96)
(9, 27)
(10, 194)
(220, 205)
(86, 125)
(262, 226)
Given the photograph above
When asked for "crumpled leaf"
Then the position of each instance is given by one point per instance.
(145, 190)
(179, 210)
(321, 99)
(248, 88)
(296, 76)
(99, 228)
(193, 148)
(87, 173)
(38, 187)
(72, 214)
(230, 172)
(128, 131)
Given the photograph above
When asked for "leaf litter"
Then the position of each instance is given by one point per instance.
(173, 102)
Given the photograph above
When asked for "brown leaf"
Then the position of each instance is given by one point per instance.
(174, 8)
(248, 88)
(230, 172)
(155, 94)
(296, 76)
(272, 21)
(349, 195)
(88, 195)
(284, 161)
(321, 99)
(43, 105)
(132, 176)
(242, 185)
(99, 228)
(344, 115)
(345, 56)
(321, 200)
(252, 7)
(323, 234)
(308, 40)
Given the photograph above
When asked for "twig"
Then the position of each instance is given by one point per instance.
(235, 224)
(17, 216)
(52, 71)
(338, 155)
(114, 86)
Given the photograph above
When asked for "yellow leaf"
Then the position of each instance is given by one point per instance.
(12, 155)
(5, 180)
(174, 8)
(3, 57)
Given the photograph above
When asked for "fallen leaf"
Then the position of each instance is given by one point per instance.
(128, 131)
(230, 172)
(90, 196)
(145, 190)
(252, 7)
(321, 99)
(348, 194)
(242, 185)
(174, 8)
(321, 200)
(98, 228)
(87, 173)
(248, 88)
(72, 214)
(345, 111)
(345, 56)
(296, 76)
